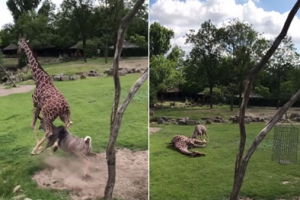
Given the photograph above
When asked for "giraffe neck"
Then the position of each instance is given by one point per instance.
(38, 73)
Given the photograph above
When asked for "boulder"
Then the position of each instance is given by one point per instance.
(191, 122)
(294, 115)
(160, 121)
(208, 121)
(181, 122)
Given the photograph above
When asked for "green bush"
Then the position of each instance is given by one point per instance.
(22, 61)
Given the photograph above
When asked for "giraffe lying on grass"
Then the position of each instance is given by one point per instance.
(183, 143)
(46, 98)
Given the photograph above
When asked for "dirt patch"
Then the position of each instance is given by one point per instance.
(139, 63)
(154, 129)
(14, 90)
(66, 174)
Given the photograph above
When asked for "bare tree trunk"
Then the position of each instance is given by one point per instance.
(242, 162)
(210, 97)
(231, 101)
(8, 76)
(84, 49)
(117, 113)
(106, 52)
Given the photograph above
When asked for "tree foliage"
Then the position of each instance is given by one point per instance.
(160, 38)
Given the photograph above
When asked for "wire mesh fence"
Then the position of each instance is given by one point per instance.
(285, 144)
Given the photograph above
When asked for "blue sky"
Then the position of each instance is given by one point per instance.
(266, 16)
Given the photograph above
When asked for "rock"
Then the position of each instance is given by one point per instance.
(27, 198)
(217, 120)
(247, 121)
(297, 119)
(181, 122)
(165, 118)
(65, 78)
(22, 196)
(82, 76)
(73, 78)
(191, 122)
(122, 72)
(207, 121)
(17, 188)
(160, 121)
(56, 78)
(294, 115)
(233, 118)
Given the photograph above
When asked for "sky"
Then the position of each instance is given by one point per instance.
(6, 16)
(266, 16)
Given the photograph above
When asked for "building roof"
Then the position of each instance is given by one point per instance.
(10, 47)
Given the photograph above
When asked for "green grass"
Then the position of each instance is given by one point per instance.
(176, 176)
(91, 102)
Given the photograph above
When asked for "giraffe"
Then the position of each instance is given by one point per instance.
(46, 98)
(183, 143)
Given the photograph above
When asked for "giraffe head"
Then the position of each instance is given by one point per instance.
(21, 43)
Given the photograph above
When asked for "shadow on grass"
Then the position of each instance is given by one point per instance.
(7, 138)
(11, 117)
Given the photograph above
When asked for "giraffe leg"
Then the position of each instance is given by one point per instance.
(36, 113)
(66, 119)
(48, 127)
(183, 148)
(38, 149)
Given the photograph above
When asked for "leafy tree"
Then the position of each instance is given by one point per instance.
(7, 34)
(205, 55)
(284, 60)
(163, 76)
(160, 39)
(17, 7)
(79, 14)
(244, 45)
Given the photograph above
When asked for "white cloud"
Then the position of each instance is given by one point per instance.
(5, 14)
(190, 14)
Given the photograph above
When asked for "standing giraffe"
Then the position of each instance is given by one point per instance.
(46, 98)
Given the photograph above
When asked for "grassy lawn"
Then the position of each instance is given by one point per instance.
(176, 176)
(91, 102)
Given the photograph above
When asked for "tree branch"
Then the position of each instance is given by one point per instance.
(241, 164)
(117, 114)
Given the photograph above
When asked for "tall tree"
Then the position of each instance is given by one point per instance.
(160, 38)
(80, 15)
(244, 45)
(17, 7)
(284, 59)
(205, 55)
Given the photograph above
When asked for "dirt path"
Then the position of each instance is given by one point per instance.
(131, 176)
(18, 89)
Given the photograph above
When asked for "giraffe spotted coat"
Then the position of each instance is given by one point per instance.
(183, 143)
